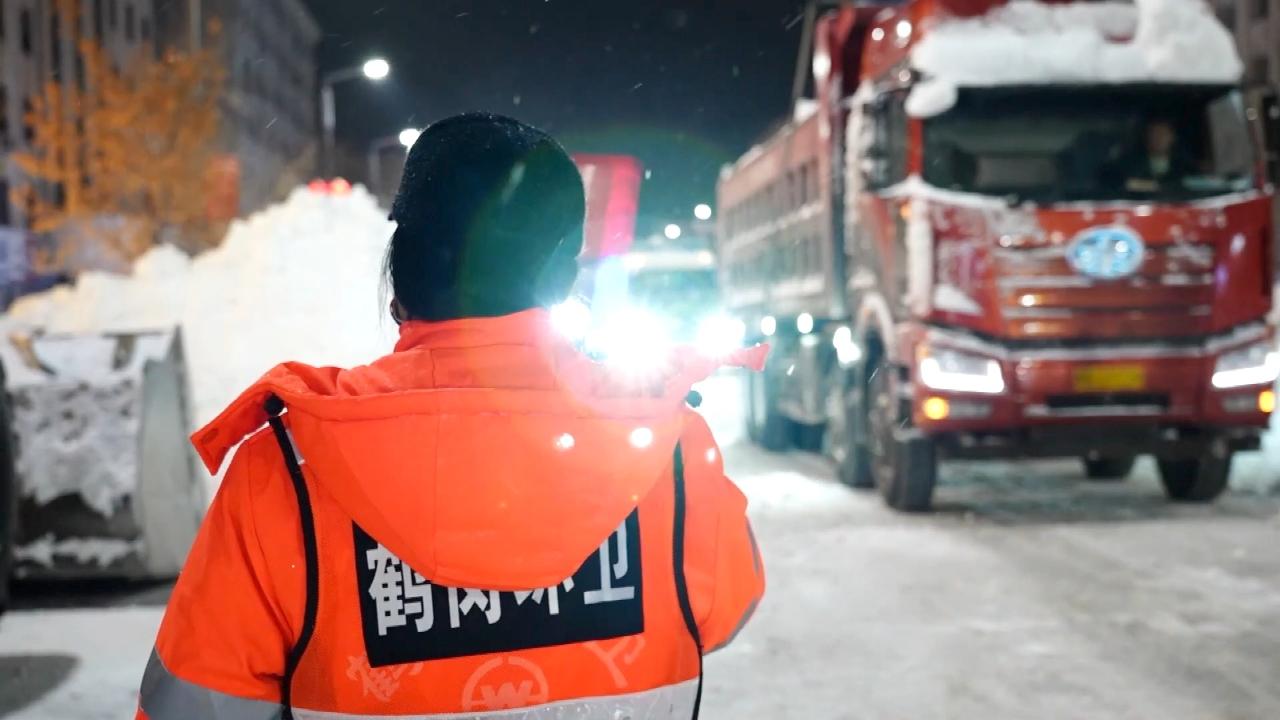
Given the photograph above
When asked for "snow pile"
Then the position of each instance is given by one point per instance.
(78, 439)
(297, 281)
(1026, 42)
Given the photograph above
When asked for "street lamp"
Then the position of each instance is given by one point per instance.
(375, 69)
(702, 211)
(408, 137)
(673, 232)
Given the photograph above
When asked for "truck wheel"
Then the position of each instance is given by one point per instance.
(845, 439)
(1109, 468)
(808, 438)
(765, 425)
(1195, 480)
(904, 463)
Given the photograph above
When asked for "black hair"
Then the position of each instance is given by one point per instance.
(490, 214)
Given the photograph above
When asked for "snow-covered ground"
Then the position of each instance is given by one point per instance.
(1030, 593)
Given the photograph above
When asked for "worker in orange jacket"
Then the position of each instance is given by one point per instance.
(485, 523)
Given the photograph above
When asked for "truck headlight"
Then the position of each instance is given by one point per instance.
(847, 350)
(720, 335)
(1257, 364)
(572, 318)
(634, 339)
(955, 371)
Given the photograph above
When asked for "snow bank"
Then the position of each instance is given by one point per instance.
(297, 281)
(1026, 42)
(79, 439)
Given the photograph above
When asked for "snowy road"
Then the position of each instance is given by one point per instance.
(1030, 593)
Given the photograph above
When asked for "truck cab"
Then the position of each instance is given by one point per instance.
(1055, 239)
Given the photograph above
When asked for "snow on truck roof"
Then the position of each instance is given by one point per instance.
(1025, 42)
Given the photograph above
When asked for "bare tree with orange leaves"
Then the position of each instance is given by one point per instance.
(120, 160)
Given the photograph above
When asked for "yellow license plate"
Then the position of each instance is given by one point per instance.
(1110, 378)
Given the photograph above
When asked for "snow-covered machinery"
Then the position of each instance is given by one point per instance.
(100, 478)
(1005, 229)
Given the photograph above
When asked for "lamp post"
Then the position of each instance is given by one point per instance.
(375, 69)
(405, 139)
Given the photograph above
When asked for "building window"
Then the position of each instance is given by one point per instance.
(98, 19)
(55, 45)
(28, 132)
(130, 23)
(4, 128)
(24, 29)
(113, 14)
(4, 203)
(1259, 70)
(146, 29)
(1261, 8)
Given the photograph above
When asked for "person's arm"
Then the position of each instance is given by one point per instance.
(220, 653)
(723, 566)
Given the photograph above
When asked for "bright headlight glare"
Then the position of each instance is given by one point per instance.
(1254, 365)
(633, 339)
(572, 318)
(720, 335)
(955, 371)
(847, 350)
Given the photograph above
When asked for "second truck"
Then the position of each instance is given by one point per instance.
(1009, 230)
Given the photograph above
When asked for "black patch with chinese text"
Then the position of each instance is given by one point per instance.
(407, 619)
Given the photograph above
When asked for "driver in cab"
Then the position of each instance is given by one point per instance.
(1155, 163)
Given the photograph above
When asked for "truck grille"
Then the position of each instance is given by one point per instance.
(1043, 297)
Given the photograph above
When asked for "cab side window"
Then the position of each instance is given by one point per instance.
(885, 161)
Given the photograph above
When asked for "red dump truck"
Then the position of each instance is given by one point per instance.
(1016, 230)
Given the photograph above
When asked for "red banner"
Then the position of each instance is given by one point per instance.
(613, 195)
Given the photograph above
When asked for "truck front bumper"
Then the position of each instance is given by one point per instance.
(1118, 400)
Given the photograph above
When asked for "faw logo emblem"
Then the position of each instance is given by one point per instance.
(406, 618)
(1107, 253)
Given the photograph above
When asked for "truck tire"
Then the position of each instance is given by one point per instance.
(766, 427)
(808, 438)
(904, 462)
(1195, 480)
(845, 441)
(1109, 468)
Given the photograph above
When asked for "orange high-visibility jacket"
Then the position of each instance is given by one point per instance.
(483, 524)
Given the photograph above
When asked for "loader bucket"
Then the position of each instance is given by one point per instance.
(106, 481)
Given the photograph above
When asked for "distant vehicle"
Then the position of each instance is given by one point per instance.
(635, 301)
(981, 240)
(634, 308)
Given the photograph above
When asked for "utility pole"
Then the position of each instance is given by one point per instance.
(195, 22)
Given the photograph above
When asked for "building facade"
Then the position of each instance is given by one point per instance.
(38, 43)
(269, 124)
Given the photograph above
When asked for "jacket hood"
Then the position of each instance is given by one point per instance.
(485, 453)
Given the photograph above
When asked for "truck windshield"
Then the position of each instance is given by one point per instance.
(683, 293)
(1146, 143)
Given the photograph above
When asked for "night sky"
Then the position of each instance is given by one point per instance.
(684, 86)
